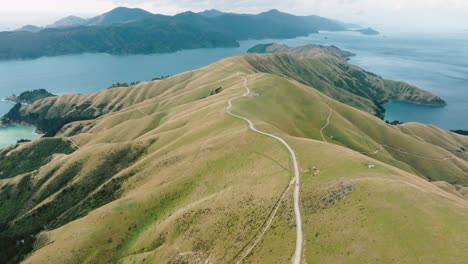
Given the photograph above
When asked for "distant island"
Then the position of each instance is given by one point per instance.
(367, 31)
(136, 31)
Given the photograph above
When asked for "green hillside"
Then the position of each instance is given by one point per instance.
(326, 69)
(160, 173)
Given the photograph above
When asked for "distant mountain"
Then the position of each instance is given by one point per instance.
(367, 31)
(211, 13)
(136, 31)
(69, 21)
(30, 28)
(118, 16)
(272, 24)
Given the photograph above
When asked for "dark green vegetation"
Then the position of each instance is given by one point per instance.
(71, 198)
(395, 122)
(124, 31)
(13, 163)
(47, 124)
(13, 115)
(161, 78)
(216, 91)
(327, 70)
(461, 132)
(16, 244)
(149, 36)
(123, 84)
(30, 96)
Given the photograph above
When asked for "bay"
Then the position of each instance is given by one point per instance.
(11, 134)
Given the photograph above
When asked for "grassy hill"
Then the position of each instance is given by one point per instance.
(161, 174)
(326, 69)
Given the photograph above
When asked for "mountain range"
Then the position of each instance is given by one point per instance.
(136, 31)
(192, 169)
(119, 15)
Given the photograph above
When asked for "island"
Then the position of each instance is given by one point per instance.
(367, 31)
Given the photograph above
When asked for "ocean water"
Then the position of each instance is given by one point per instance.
(437, 63)
(9, 135)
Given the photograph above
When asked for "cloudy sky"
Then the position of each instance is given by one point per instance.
(416, 15)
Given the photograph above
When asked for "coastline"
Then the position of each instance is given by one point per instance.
(425, 104)
(12, 132)
(10, 135)
(404, 111)
(415, 103)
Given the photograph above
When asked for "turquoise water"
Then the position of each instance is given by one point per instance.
(9, 135)
(437, 63)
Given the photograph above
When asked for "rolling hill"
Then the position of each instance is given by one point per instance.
(326, 69)
(160, 173)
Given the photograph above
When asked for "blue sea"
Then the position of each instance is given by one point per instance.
(434, 62)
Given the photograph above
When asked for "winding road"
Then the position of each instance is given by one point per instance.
(299, 240)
